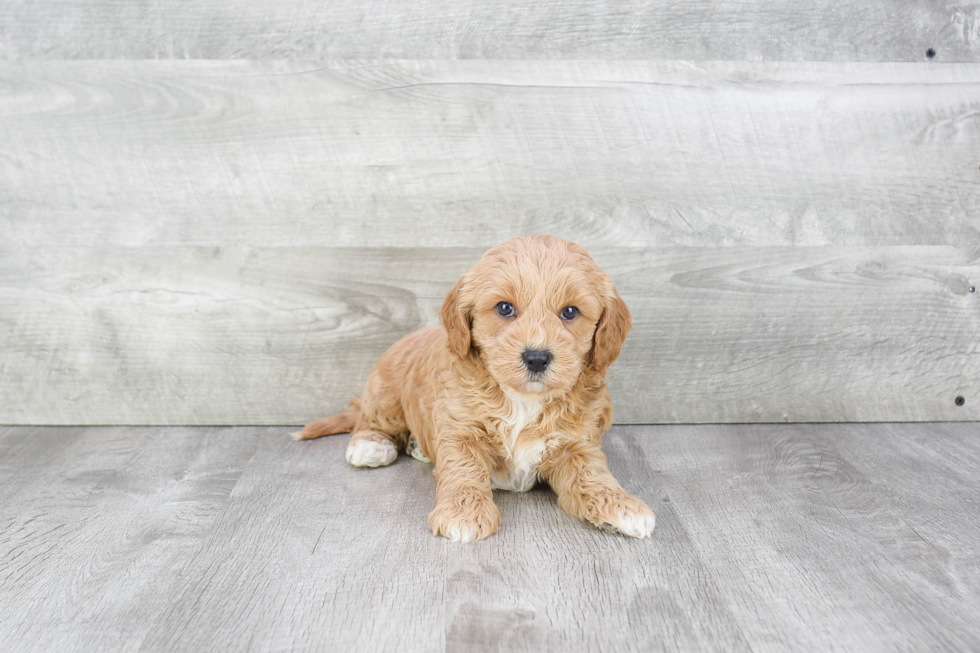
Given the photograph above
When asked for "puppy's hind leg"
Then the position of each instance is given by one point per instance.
(370, 448)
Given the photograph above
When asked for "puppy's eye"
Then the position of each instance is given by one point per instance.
(569, 313)
(505, 309)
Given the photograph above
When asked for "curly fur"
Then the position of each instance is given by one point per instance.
(471, 406)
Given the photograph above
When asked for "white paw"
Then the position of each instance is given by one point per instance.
(463, 534)
(638, 525)
(415, 451)
(368, 453)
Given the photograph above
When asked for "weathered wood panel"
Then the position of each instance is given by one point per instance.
(821, 30)
(283, 335)
(422, 154)
(193, 242)
(852, 537)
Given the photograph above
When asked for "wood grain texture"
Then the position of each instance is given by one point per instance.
(834, 555)
(284, 335)
(931, 494)
(822, 30)
(469, 153)
(769, 538)
(98, 524)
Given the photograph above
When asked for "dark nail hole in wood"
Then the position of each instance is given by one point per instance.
(930, 53)
(959, 401)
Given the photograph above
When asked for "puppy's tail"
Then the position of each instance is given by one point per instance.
(340, 423)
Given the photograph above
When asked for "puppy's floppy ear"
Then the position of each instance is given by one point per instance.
(457, 322)
(611, 331)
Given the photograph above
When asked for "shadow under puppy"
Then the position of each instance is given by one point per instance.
(509, 390)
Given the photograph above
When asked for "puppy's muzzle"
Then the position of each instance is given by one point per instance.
(536, 360)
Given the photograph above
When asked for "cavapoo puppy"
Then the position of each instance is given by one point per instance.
(509, 390)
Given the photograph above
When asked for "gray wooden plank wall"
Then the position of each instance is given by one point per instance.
(787, 195)
(749, 30)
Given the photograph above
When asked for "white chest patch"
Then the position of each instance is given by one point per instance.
(521, 467)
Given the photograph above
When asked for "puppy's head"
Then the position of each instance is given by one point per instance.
(537, 311)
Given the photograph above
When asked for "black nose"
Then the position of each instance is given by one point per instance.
(536, 360)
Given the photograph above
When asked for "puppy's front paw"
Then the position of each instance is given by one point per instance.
(639, 523)
(464, 521)
(622, 513)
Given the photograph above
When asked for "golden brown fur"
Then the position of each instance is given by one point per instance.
(471, 405)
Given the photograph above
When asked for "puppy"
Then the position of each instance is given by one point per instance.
(509, 390)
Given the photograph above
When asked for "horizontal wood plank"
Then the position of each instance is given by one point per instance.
(282, 335)
(821, 30)
(469, 153)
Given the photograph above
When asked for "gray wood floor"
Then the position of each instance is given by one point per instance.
(770, 537)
